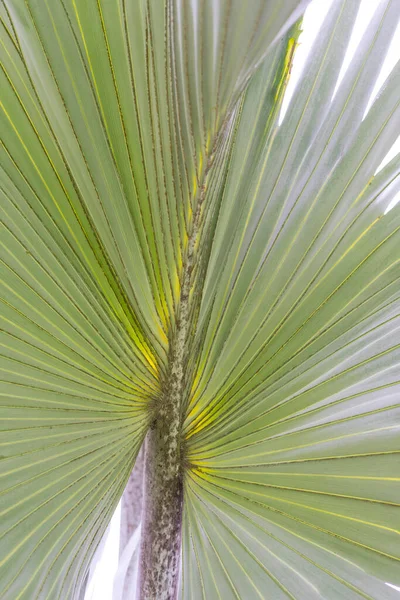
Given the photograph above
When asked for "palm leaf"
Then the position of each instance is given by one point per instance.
(138, 139)
(293, 420)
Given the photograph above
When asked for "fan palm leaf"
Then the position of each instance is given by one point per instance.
(172, 252)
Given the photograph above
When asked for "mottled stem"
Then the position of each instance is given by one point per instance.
(162, 510)
(162, 515)
(160, 550)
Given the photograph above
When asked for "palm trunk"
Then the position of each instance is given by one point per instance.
(162, 509)
(160, 550)
(162, 516)
(131, 515)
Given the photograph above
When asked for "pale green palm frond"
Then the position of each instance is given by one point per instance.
(127, 126)
(293, 422)
(105, 140)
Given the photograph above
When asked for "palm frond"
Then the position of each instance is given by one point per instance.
(292, 425)
(143, 139)
(110, 111)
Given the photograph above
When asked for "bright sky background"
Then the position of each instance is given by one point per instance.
(101, 585)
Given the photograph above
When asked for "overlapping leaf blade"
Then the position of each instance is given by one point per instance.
(293, 420)
(107, 137)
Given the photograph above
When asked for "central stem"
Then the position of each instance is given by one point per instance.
(163, 491)
(162, 513)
